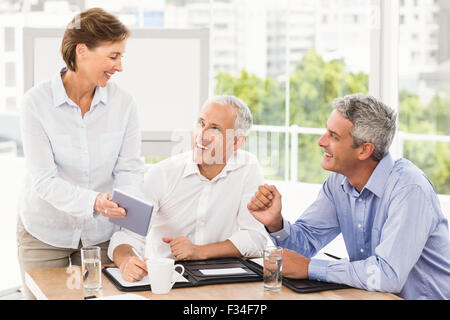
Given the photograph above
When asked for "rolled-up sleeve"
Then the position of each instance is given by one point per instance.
(124, 236)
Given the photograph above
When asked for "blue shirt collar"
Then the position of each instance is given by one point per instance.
(378, 179)
(380, 175)
(60, 96)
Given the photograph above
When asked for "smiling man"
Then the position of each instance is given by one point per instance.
(387, 211)
(200, 197)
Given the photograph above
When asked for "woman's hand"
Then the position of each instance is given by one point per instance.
(108, 208)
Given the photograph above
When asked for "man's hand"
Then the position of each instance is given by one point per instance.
(183, 249)
(265, 206)
(133, 269)
(108, 208)
(294, 265)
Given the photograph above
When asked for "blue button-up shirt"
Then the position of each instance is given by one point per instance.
(395, 233)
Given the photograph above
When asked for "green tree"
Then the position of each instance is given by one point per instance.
(411, 116)
(432, 157)
(438, 113)
(265, 98)
(315, 83)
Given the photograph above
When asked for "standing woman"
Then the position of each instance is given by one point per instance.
(81, 139)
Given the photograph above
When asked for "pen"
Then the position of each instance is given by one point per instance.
(89, 297)
(331, 256)
(137, 254)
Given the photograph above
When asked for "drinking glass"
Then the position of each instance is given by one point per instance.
(91, 268)
(272, 268)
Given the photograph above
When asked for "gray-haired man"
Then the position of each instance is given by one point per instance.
(387, 211)
(200, 197)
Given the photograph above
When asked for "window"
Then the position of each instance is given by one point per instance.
(424, 96)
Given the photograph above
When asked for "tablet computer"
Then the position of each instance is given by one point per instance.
(138, 211)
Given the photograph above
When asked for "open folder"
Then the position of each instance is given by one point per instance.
(196, 273)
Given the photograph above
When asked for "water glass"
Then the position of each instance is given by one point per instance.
(272, 268)
(91, 268)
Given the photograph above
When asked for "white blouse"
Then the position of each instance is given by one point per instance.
(70, 160)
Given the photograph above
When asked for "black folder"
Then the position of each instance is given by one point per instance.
(300, 285)
(196, 278)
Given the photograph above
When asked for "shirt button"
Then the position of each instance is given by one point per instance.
(359, 226)
(359, 199)
(278, 237)
(362, 250)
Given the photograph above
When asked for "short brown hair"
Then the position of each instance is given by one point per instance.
(91, 27)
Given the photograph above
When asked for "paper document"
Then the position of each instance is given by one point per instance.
(227, 271)
(115, 272)
(258, 261)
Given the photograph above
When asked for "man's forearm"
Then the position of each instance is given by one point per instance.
(276, 226)
(122, 252)
(219, 250)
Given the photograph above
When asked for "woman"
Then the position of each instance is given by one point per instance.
(81, 138)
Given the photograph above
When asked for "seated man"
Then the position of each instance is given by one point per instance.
(395, 233)
(200, 197)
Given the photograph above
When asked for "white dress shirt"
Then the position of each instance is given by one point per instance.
(70, 160)
(204, 211)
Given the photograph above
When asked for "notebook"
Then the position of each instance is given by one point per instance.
(138, 215)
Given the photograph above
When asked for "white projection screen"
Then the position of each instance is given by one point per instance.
(166, 71)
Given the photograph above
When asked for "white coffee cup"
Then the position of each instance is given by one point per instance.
(160, 274)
